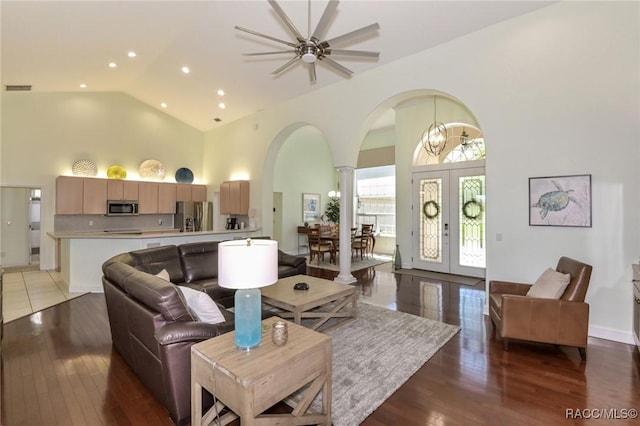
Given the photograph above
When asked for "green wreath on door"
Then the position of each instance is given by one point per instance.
(431, 209)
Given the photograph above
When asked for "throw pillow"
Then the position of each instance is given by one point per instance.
(550, 285)
(202, 306)
(164, 275)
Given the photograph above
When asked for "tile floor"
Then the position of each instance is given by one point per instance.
(31, 291)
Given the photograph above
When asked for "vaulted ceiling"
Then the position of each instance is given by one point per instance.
(55, 46)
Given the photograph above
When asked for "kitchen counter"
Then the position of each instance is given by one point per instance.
(81, 254)
(143, 233)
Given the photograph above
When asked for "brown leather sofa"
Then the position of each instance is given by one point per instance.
(151, 326)
(563, 321)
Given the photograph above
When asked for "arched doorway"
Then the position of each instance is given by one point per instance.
(448, 198)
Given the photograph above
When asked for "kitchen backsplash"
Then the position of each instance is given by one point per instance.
(88, 223)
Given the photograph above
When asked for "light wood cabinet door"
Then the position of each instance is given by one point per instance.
(167, 198)
(122, 190)
(130, 190)
(94, 196)
(234, 197)
(115, 189)
(69, 194)
(183, 192)
(148, 197)
(199, 192)
(225, 200)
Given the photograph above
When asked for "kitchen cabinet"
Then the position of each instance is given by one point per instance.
(156, 198)
(199, 193)
(189, 192)
(234, 197)
(148, 197)
(122, 190)
(77, 195)
(94, 196)
(166, 198)
(69, 194)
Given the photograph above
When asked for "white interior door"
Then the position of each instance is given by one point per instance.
(449, 221)
(14, 218)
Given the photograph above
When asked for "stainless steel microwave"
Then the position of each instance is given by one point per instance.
(122, 208)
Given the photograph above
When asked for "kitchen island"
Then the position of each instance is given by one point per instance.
(81, 254)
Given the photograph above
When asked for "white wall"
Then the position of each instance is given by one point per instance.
(553, 91)
(43, 134)
(304, 165)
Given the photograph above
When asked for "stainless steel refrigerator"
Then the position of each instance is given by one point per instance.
(194, 216)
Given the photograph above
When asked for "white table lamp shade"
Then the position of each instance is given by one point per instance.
(247, 263)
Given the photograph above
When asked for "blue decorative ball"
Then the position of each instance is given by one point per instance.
(184, 175)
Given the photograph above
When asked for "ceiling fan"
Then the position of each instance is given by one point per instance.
(311, 49)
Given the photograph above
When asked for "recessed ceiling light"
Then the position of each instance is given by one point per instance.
(112, 65)
(131, 54)
(83, 86)
(185, 70)
(163, 104)
(221, 105)
(220, 92)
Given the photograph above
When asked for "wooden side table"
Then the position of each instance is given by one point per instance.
(250, 382)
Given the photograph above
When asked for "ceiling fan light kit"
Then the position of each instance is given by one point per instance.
(310, 50)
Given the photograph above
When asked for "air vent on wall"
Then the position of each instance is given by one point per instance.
(18, 87)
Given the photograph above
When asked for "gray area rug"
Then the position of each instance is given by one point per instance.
(459, 279)
(356, 263)
(374, 355)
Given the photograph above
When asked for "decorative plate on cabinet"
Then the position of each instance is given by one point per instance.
(116, 172)
(84, 168)
(152, 170)
(184, 175)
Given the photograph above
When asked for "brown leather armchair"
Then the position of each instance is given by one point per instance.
(563, 321)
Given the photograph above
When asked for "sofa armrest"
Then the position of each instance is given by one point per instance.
(506, 287)
(189, 331)
(290, 260)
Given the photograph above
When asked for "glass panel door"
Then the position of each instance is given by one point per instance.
(431, 233)
(469, 252)
(449, 221)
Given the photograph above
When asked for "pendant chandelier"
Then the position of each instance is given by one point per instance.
(434, 139)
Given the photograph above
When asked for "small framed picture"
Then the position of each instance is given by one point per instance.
(560, 201)
(310, 207)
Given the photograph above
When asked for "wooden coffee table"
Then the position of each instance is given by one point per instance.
(249, 382)
(323, 301)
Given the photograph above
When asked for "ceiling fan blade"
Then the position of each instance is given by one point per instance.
(287, 65)
(327, 15)
(285, 19)
(353, 34)
(312, 72)
(269, 53)
(360, 53)
(288, 43)
(333, 64)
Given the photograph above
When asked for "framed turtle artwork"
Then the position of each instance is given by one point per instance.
(560, 201)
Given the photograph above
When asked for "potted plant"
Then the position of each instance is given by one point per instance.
(333, 210)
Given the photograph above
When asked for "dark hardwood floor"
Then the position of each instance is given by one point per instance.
(59, 368)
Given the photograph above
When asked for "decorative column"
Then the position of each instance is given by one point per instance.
(346, 217)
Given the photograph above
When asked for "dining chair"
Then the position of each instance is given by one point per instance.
(318, 246)
(367, 233)
(358, 244)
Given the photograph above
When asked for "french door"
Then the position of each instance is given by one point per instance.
(449, 221)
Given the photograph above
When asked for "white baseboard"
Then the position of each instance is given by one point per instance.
(611, 334)
(87, 289)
